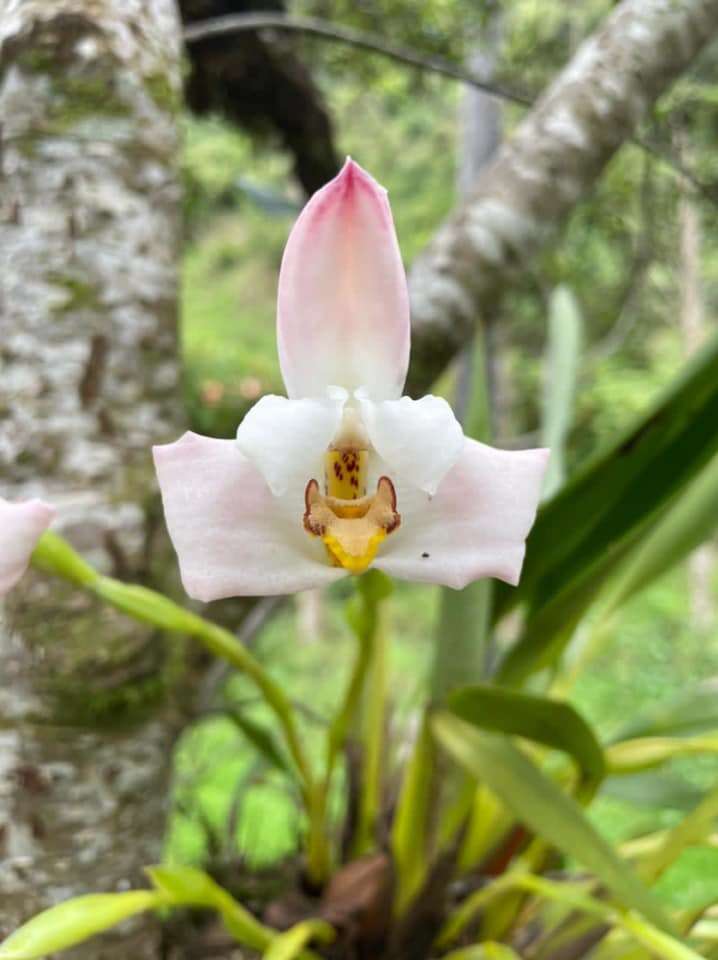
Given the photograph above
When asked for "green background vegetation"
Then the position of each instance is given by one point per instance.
(620, 257)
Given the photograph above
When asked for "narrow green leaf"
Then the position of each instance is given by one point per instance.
(661, 944)
(489, 950)
(75, 921)
(620, 487)
(550, 722)
(537, 802)
(560, 375)
(687, 522)
(187, 886)
(690, 831)
(602, 513)
(643, 753)
(288, 945)
(184, 886)
(410, 826)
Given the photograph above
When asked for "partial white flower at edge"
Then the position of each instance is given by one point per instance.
(21, 526)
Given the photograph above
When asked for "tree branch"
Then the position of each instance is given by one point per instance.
(314, 26)
(555, 156)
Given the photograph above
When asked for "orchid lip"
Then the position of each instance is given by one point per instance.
(351, 529)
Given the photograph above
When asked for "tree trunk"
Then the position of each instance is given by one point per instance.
(553, 159)
(89, 95)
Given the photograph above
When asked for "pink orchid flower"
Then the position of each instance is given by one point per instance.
(21, 526)
(345, 473)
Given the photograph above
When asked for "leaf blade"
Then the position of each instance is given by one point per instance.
(551, 722)
(74, 921)
(291, 943)
(537, 802)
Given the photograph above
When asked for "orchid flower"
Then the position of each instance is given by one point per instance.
(21, 526)
(344, 473)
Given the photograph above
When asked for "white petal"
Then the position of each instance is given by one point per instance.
(475, 526)
(21, 526)
(343, 304)
(286, 439)
(232, 537)
(420, 440)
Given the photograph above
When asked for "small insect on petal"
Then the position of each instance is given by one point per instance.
(352, 529)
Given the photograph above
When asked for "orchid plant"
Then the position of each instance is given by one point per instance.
(344, 476)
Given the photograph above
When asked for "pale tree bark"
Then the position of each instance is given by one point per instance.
(89, 95)
(691, 317)
(552, 160)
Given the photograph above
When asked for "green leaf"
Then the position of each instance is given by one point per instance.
(483, 951)
(657, 941)
(631, 756)
(411, 820)
(594, 520)
(187, 886)
(561, 372)
(688, 521)
(75, 921)
(550, 722)
(291, 944)
(537, 802)
(694, 711)
(689, 832)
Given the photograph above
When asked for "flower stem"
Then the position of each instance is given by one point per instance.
(342, 722)
(373, 588)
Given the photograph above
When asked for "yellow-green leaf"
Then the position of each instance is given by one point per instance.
(489, 950)
(410, 827)
(646, 752)
(75, 921)
(291, 944)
